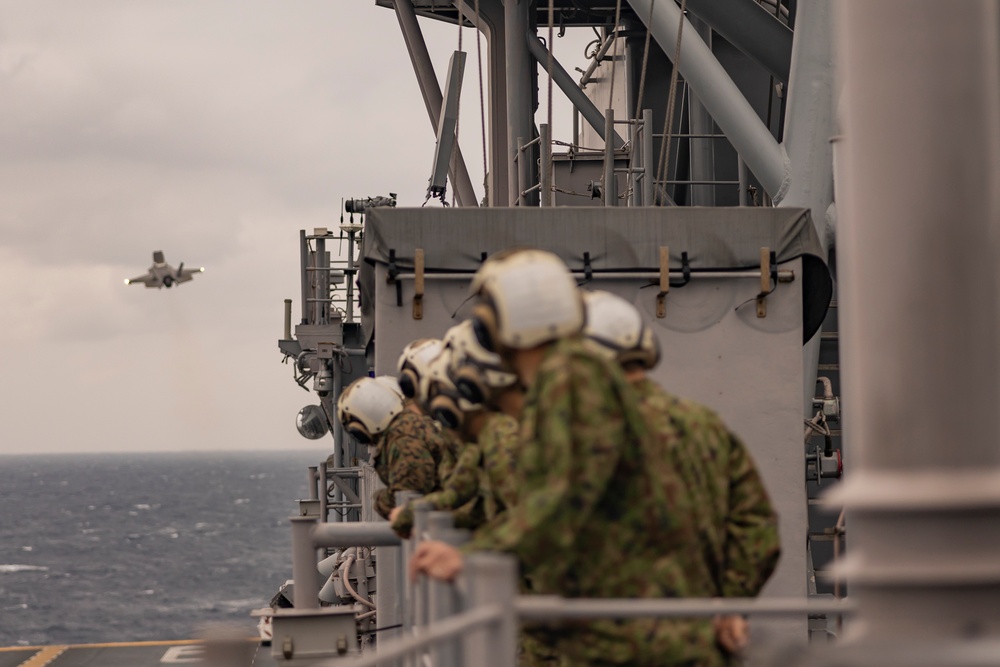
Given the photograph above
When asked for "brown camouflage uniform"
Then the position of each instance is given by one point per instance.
(407, 457)
(458, 490)
(737, 526)
(595, 516)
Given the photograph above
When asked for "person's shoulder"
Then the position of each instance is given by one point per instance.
(410, 422)
(655, 396)
(570, 357)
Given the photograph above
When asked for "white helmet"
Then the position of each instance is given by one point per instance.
(443, 401)
(529, 298)
(615, 329)
(413, 364)
(368, 405)
(475, 371)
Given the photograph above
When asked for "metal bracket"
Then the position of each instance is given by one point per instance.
(391, 277)
(418, 284)
(767, 259)
(661, 297)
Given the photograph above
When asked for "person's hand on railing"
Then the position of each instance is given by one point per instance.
(732, 633)
(437, 560)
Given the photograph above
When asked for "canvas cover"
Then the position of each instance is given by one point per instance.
(599, 240)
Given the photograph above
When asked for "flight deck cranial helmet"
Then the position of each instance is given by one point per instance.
(413, 364)
(444, 403)
(476, 372)
(368, 405)
(527, 298)
(616, 330)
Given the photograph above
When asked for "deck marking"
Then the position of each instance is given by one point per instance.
(44, 657)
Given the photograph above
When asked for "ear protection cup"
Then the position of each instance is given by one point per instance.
(650, 346)
(445, 409)
(469, 383)
(408, 382)
(360, 433)
(484, 325)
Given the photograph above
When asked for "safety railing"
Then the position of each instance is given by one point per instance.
(474, 621)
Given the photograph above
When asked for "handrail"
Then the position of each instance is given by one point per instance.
(549, 607)
(441, 630)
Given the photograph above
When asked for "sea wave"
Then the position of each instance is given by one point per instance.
(14, 567)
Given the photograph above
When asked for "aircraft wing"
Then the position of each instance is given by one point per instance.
(184, 275)
(147, 279)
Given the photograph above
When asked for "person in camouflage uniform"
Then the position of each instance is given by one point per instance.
(736, 523)
(593, 516)
(486, 437)
(408, 449)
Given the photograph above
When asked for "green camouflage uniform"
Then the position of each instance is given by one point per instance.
(480, 483)
(595, 516)
(499, 443)
(407, 457)
(737, 526)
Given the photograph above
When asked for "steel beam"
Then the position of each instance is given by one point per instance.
(465, 194)
(561, 77)
(752, 29)
(730, 109)
(919, 291)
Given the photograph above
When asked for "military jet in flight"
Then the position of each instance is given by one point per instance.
(161, 274)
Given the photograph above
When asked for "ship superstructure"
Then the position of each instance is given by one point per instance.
(748, 201)
(700, 185)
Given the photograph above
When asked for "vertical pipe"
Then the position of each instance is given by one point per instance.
(649, 170)
(701, 150)
(521, 159)
(322, 278)
(304, 274)
(610, 191)
(492, 580)
(323, 495)
(741, 168)
(918, 293)
(287, 334)
(520, 90)
(545, 178)
(304, 572)
(311, 479)
(349, 275)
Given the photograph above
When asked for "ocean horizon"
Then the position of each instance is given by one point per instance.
(143, 546)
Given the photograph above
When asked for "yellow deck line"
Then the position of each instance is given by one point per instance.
(44, 657)
(178, 642)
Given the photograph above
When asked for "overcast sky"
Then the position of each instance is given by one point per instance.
(212, 130)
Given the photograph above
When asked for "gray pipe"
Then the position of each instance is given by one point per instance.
(730, 109)
(752, 29)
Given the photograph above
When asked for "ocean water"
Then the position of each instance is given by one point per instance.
(141, 547)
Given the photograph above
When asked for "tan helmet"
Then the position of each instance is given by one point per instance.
(476, 372)
(615, 329)
(368, 405)
(413, 364)
(527, 298)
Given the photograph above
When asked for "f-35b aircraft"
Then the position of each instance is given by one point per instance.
(161, 274)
